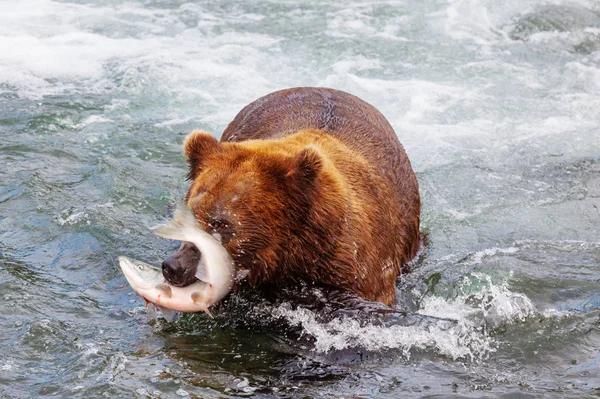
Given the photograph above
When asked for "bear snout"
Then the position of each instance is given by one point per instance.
(180, 268)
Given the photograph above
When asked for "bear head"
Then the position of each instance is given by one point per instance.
(258, 198)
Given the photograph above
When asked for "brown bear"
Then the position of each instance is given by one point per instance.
(306, 184)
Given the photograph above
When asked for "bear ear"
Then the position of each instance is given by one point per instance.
(197, 146)
(308, 164)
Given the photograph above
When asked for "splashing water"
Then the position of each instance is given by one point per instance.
(461, 332)
(340, 334)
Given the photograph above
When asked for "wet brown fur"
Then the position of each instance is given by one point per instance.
(310, 184)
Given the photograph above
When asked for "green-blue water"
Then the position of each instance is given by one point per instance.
(497, 104)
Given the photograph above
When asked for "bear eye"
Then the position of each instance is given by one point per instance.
(224, 228)
(219, 224)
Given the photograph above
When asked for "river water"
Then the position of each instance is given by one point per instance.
(497, 104)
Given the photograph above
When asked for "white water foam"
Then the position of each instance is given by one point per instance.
(66, 217)
(357, 20)
(477, 21)
(489, 306)
(474, 313)
(116, 365)
(54, 48)
(456, 342)
(8, 366)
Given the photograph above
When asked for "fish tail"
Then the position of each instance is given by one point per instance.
(182, 220)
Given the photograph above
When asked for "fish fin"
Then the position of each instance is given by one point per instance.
(241, 274)
(169, 314)
(150, 312)
(205, 310)
(196, 296)
(165, 289)
(183, 218)
(202, 271)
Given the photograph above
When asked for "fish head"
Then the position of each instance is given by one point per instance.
(140, 275)
(201, 255)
